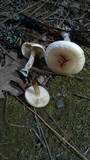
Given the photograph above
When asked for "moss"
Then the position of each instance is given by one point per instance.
(21, 143)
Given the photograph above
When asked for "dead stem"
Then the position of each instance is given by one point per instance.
(86, 152)
(37, 9)
(60, 25)
(49, 15)
(81, 17)
(38, 126)
(82, 96)
(42, 134)
(37, 135)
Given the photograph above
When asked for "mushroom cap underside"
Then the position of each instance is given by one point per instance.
(28, 46)
(64, 57)
(37, 101)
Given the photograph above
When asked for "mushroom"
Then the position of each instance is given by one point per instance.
(30, 50)
(36, 95)
(64, 57)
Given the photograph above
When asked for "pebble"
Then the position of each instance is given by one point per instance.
(59, 103)
(59, 94)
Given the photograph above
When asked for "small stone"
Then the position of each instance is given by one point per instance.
(59, 104)
(59, 94)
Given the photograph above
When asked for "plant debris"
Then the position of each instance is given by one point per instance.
(82, 96)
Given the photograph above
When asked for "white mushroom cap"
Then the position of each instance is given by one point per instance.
(28, 46)
(37, 101)
(64, 57)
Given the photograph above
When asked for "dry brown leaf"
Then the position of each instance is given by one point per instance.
(7, 73)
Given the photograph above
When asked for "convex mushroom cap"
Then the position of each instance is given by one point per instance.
(64, 57)
(30, 50)
(27, 47)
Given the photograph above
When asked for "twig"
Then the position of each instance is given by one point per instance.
(28, 7)
(37, 135)
(49, 15)
(48, 150)
(86, 152)
(81, 17)
(41, 132)
(60, 25)
(35, 11)
(82, 96)
(46, 80)
(62, 139)
(38, 125)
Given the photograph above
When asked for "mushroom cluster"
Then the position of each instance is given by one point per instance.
(35, 95)
(62, 57)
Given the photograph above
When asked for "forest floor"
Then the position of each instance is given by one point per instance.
(23, 136)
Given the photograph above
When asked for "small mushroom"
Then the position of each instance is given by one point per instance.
(64, 57)
(36, 95)
(30, 50)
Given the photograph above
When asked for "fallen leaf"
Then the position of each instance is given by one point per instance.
(7, 73)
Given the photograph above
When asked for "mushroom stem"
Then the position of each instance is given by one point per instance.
(65, 36)
(31, 60)
(25, 70)
(36, 88)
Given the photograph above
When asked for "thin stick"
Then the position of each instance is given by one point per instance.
(49, 15)
(38, 126)
(35, 11)
(64, 19)
(86, 152)
(62, 139)
(37, 135)
(41, 132)
(82, 96)
(48, 150)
